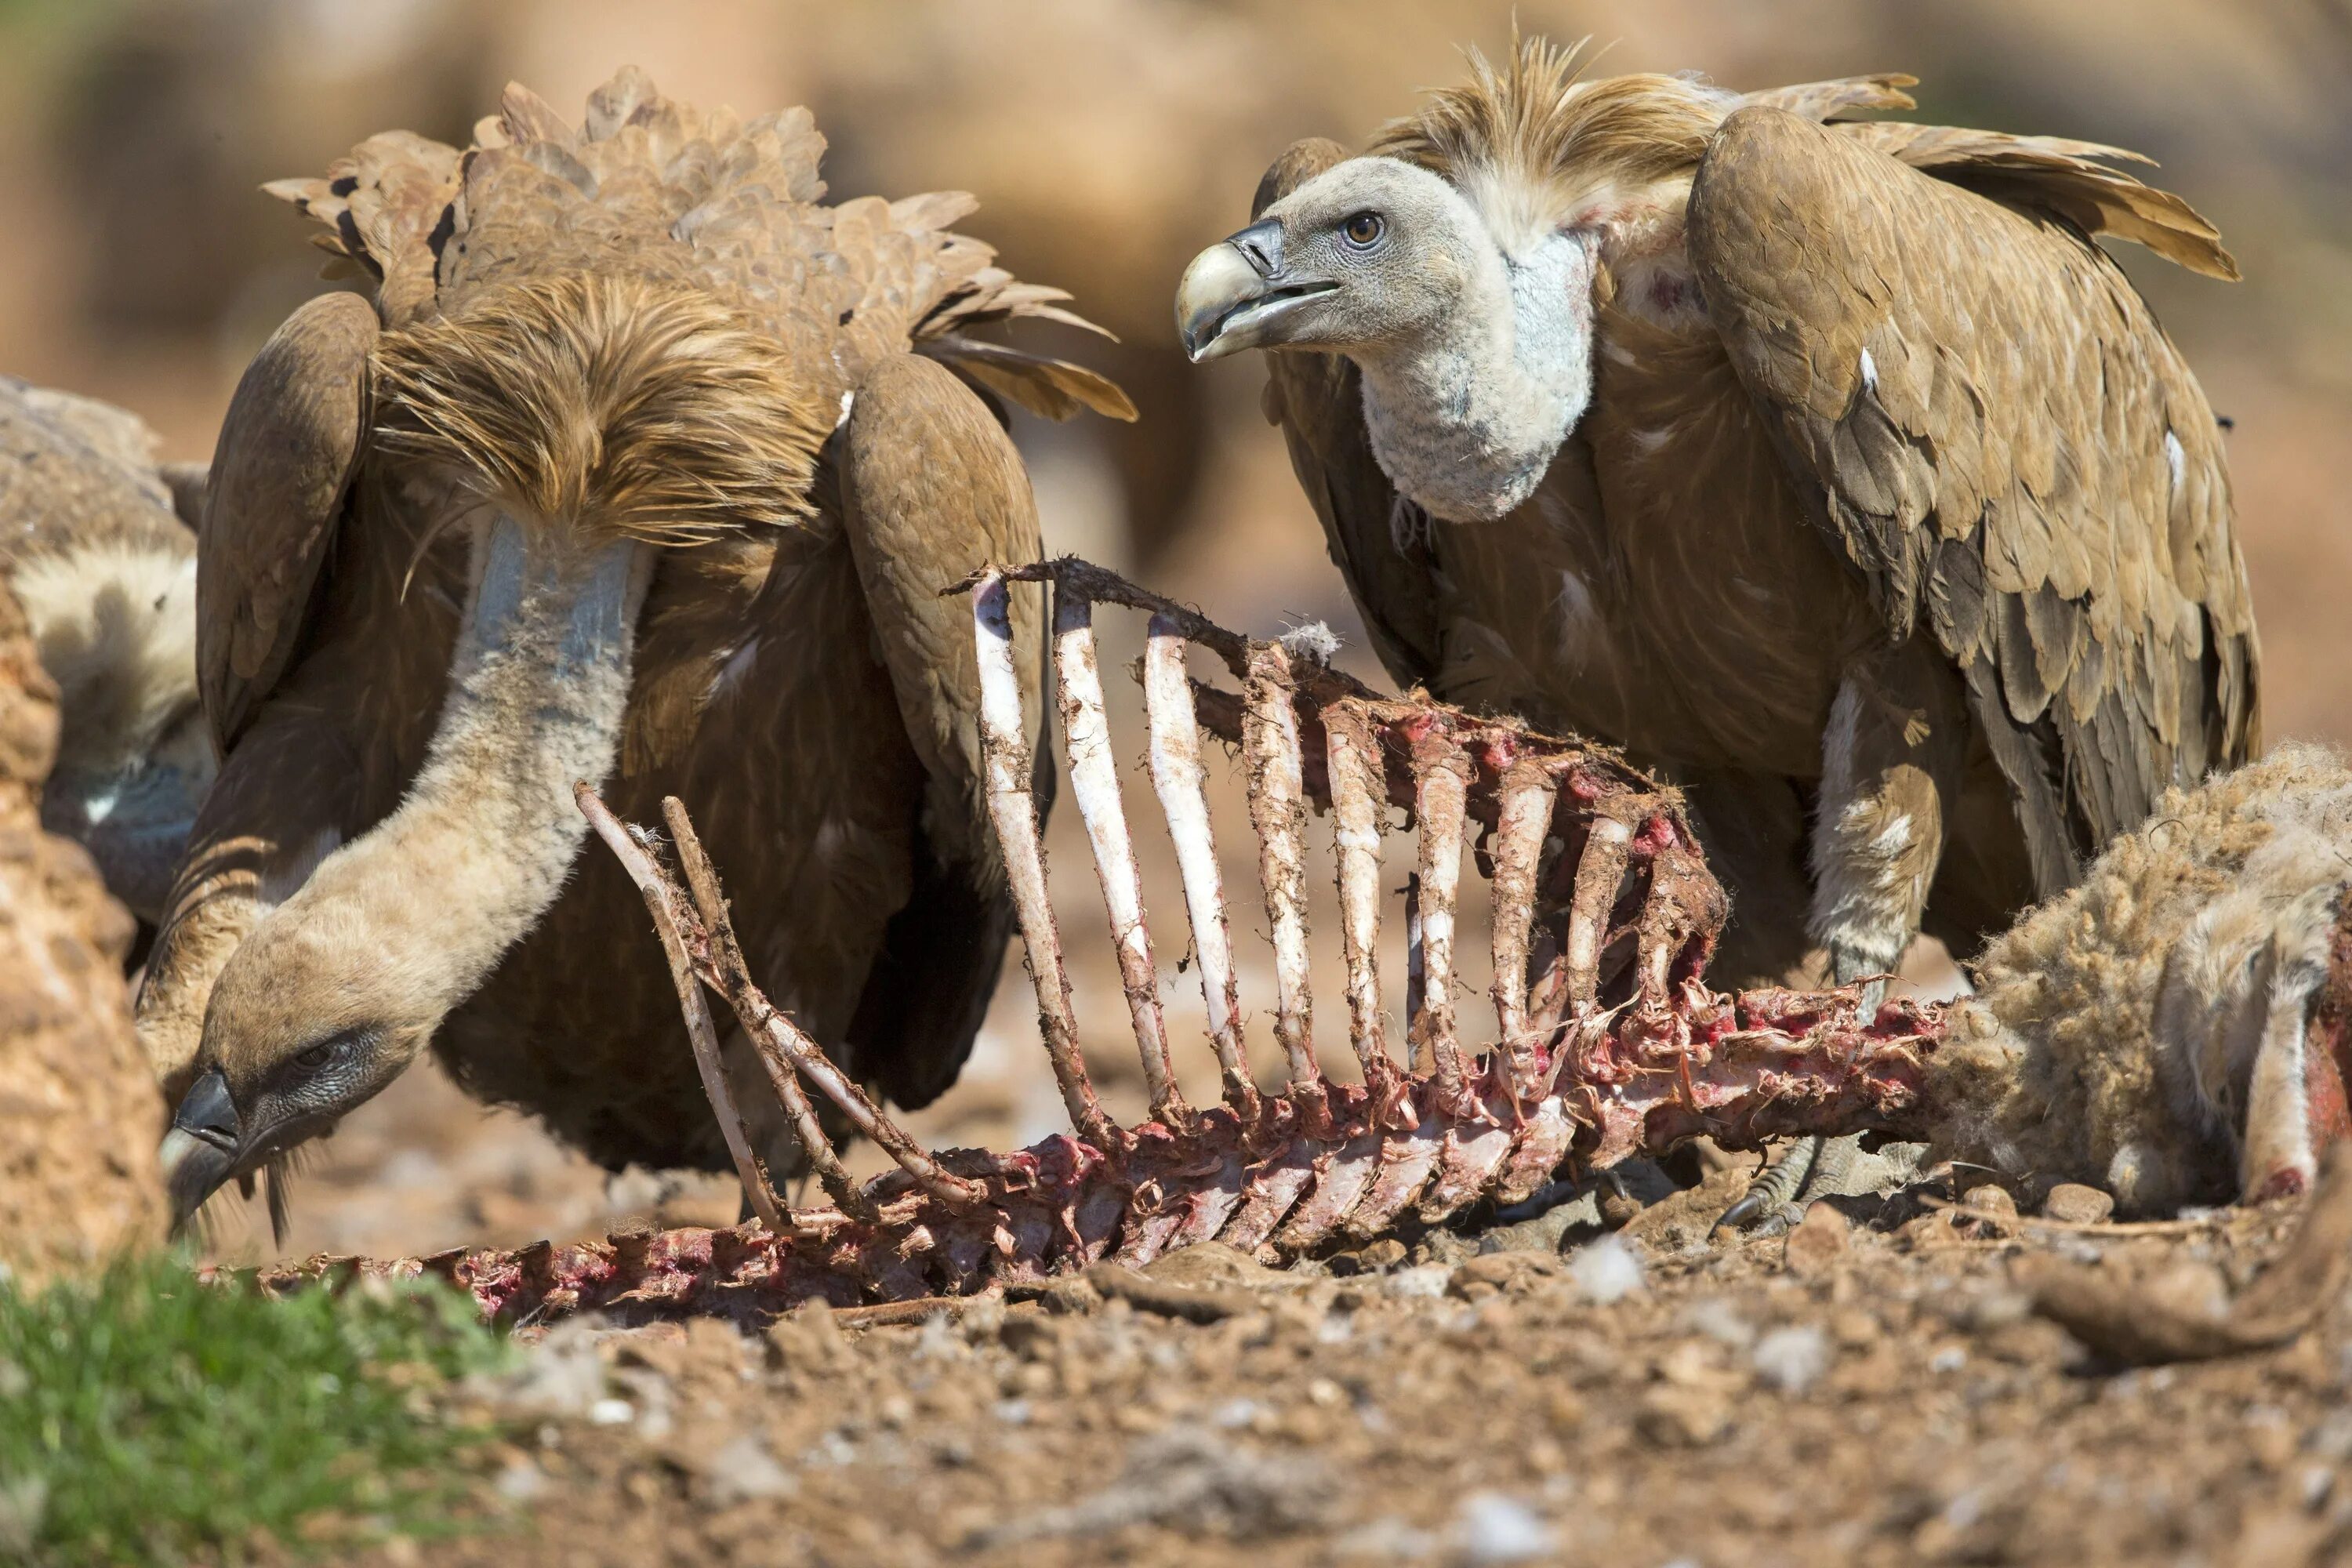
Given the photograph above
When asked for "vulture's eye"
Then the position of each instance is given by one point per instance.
(317, 1057)
(1363, 230)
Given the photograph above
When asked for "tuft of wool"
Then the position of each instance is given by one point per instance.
(2108, 1036)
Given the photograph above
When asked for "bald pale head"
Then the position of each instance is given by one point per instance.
(1476, 353)
(1368, 254)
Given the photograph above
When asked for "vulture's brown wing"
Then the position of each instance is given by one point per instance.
(288, 445)
(1377, 538)
(1999, 436)
(931, 489)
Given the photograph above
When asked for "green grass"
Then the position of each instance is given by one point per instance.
(147, 1418)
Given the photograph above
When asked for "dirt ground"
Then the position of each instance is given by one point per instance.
(1879, 1393)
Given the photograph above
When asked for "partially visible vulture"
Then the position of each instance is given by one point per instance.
(1832, 466)
(93, 545)
(645, 467)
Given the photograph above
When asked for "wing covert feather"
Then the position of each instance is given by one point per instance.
(1997, 433)
(932, 488)
(288, 445)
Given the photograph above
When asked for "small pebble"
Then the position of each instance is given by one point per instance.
(1720, 1320)
(1793, 1359)
(521, 1481)
(612, 1413)
(1992, 1200)
(1492, 1528)
(745, 1471)
(1817, 1242)
(1421, 1279)
(1950, 1359)
(2074, 1204)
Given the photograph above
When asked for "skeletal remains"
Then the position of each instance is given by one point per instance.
(2179, 1026)
(1609, 1043)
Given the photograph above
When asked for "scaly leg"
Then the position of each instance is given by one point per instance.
(1890, 761)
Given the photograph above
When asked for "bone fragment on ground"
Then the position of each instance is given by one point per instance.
(1094, 782)
(1277, 796)
(1013, 808)
(667, 918)
(1177, 778)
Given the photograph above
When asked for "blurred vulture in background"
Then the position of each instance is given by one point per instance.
(1832, 466)
(93, 545)
(643, 468)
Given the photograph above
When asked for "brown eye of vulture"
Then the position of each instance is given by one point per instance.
(641, 466)
(1831, 466)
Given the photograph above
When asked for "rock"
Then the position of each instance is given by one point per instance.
(78, 1177)
(1817, 1242)
(1215, 1263)
(1493, 1273)
(1491, 1528)
(808, 1338)
(2074, 1204)
(745, 1471)
(1675, 1416)
(1993, 1210)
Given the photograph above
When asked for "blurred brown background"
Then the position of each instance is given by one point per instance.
(1107, 141)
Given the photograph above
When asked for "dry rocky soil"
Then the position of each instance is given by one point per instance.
(1874, 1388)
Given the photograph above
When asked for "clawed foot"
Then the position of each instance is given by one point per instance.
(1808, 1168)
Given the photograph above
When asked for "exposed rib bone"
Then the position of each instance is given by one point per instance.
(1530, 791)
(1442, 779)
(1094, 780)
(775, 1035)
(646, 875)
(1013, 808)
(1354, 761)
(1606, 847)
(1177, 779)
(1416, 977)
(1277, 796)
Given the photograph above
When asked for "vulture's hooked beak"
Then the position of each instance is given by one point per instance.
(1236, 289)
(201, 1150)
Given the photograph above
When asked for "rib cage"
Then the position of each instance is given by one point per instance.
(1607, 1041)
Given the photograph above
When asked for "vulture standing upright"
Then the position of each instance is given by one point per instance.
(1832, 467)
(93, 545)
(643, 468)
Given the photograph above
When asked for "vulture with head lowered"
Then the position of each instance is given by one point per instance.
(642, 467)
(93, 544)
(1832, 466)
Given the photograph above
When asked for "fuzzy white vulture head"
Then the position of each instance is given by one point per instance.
(1474, 340)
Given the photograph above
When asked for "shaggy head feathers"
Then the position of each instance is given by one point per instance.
(1532, 142)
(618, 408)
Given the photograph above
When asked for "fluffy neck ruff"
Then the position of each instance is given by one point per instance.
(1467, 415)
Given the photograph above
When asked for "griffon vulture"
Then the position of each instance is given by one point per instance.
(643, 468)
(1832, 466)
(94, 547)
